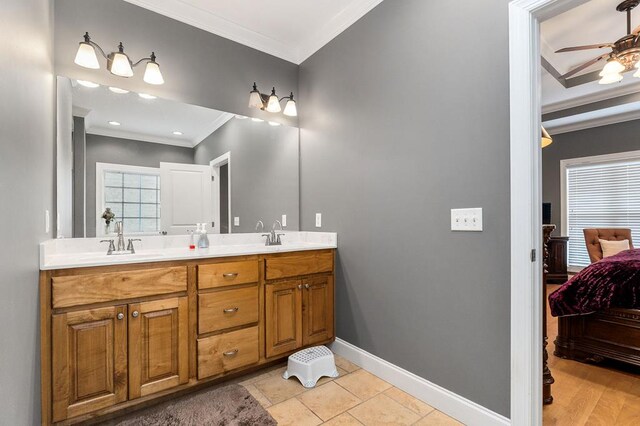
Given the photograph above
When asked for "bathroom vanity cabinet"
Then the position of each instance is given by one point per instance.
(117, 337)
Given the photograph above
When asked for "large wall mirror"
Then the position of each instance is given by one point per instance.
(161, 166)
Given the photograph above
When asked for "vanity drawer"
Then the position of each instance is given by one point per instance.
(299, 264)
(108, 286)
(226, 309)
(226, 274)
(226, 352)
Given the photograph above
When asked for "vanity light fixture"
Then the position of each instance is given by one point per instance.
(118, 63)
(271, 103)
(118, 90)
(146, 96)
(89, 84)
(114, 123)
(177, 133)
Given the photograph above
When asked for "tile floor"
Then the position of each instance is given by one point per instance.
(356, 397)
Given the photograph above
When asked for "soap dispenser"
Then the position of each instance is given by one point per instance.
(203, 241)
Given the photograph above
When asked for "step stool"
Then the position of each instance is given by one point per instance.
(310, 364)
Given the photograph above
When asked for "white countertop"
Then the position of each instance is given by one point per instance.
(86, 252)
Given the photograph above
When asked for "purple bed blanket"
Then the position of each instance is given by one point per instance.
(613, 282)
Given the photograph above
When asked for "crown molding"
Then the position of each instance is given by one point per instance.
(556, 129)
(591, 98)
(123, 134)
(349, 16)
(217, 123)
(294, 51)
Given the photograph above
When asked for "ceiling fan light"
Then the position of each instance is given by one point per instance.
(152, 74)
(290, 108)
(612, 67)
(273, 104)
(611, 78)
(86, 56)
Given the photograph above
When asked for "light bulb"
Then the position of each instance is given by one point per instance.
(152, 74)
(290, 107)
(177, 132)
(119, 63)
(255, 100)
(611, 78)
(273, 105)
(612, 67)
(114, 123)
(86, 56)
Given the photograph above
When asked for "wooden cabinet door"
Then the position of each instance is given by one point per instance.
(158, 346)
(317, 308)
(283, 317)
(89, 360)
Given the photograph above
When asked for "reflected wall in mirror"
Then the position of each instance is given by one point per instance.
(161, 166)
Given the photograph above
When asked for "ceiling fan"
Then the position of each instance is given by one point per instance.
(624, 54)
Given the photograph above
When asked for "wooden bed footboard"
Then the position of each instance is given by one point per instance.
(613, 333)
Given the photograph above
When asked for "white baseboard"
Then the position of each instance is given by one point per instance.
(452, 404)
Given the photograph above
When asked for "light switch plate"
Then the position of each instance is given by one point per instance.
(236, 221)
(284, 220)
(466, 219)
(318, 220)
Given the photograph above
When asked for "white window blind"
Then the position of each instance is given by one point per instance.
(605, 195)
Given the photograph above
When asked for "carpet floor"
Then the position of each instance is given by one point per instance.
(230, 405)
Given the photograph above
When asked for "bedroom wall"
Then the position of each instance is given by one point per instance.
(106, 149)
(397, 129)
(27, 185)
(602, 140)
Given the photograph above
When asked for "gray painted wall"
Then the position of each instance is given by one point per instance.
(199, 68)
(79, 181)
(264, 171)
(105, 149)
(397, 129)
(27, 152)
(609, 139)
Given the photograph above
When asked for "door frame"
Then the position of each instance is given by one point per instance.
(215, 164)
(526, 203)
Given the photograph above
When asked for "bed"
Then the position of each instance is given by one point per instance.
(599, 308)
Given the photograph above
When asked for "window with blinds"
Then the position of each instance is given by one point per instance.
(601, 195)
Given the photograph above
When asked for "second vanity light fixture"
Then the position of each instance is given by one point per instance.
(118, 63)
(271, 103)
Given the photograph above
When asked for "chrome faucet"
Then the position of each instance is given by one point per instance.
(259, 226)
(120, 249)
(273, 239)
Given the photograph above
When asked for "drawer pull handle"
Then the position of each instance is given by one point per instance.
(230, 353)
(230, 310)
(230, 275)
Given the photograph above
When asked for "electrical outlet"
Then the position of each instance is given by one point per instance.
(236, 221)
(318, 220)
(466, 219)
(284, 220)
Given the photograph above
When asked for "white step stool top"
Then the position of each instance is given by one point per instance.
(310, 364)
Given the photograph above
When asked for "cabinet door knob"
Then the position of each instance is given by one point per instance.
(230, 353)
(135, 314)
(306, 286)
(120, 316)
(230, 310)
(299, 286)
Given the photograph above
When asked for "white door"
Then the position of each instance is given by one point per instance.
(185, 197)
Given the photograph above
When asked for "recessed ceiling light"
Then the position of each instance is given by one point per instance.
(257, 120)
(114, 123)
(118, 90)
(145, 96)
(177, 133)
(89, 84)
(240, 117)
(273, 123)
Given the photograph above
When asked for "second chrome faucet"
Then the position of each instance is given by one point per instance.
(273, 238)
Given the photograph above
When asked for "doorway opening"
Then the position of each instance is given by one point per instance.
(221, 172)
